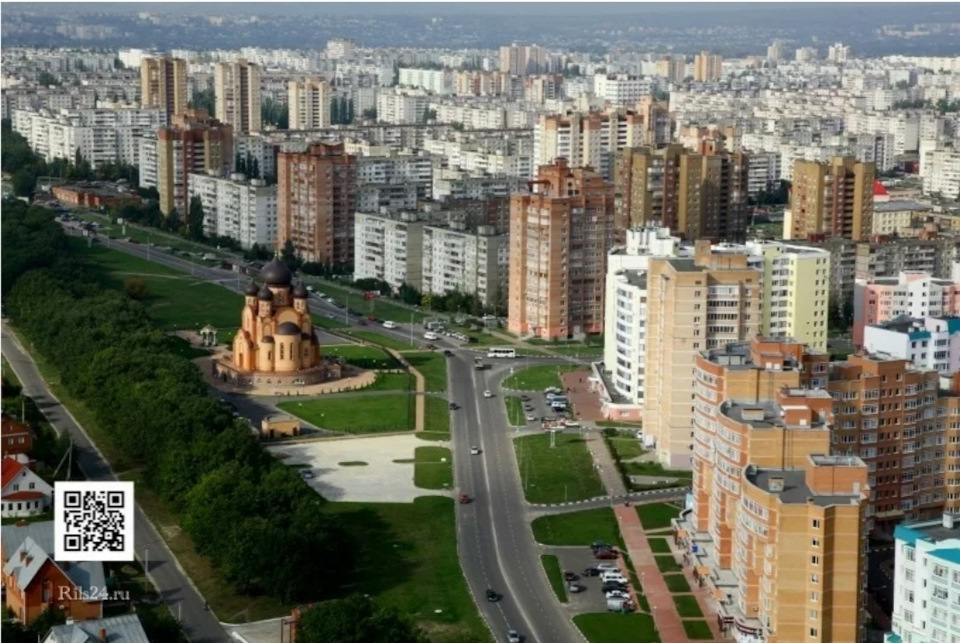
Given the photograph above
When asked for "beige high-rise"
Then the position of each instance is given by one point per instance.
(692, 305)
(673, 68)
(560, 233)
(707, 67)
(696, 195)
(316, 203)
(237, 89)
(193, 143)
(832, 199)
(163, 85)
(309, 103)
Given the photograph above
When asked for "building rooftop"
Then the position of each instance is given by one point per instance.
(791, 486)
(636, 278)
(769, 414)
(684, 265)
(899, 206)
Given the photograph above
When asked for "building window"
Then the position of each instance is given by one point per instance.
(816, 523)
(814, 632)
(814, 560)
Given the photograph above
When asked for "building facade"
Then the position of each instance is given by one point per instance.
(163, 85)
(389, 247)
(237, 208)
(914, 294)
(833, 199)
(193, 143)
(472, 261)
(930, 343)
(560, 232)
(309, 103)
(707, 67)
(316, 201)
(586, 139)
(237, 90)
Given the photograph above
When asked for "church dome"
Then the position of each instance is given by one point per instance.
(265, 294)
(300, 291)
(267, 340)
(251, 290)
(288, 328)
(276, 273)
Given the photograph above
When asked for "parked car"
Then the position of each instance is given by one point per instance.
(448, 352)
(492, 596)
(524, 398)
(570, 576)
(575, 588)
(612, 586)
(599, 544)
(606, 554)
(306, 475)
(603, 567)
(474, 450)
(531, 417)
(617, 594)
(591, 571)
(453, 406)
(487, 394)
(464, 499)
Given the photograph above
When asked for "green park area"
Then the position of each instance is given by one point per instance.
(577, 528)
(433, 367)
(436, 423)
(617, 628)
(366, 357)
(551, 565)
(380, 307)
(560, 473)
(433, 468)
(515, 413)
(379, 339)
(356, 414)
(657, 516)
(538, 378)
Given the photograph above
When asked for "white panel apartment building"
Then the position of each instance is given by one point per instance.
(241, 209)
(403, 107)
(622, 89)
(309, 104)
(395, 182)
(585, 139)
(102, 135)
(941, 173)
(931, 343)
(388, 248)
(455, 258)
(926, 601)
(436, 81)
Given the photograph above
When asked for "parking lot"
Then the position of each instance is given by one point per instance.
(536, 408)
(576, 559)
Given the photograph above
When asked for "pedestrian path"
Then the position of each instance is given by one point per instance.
(421, 401)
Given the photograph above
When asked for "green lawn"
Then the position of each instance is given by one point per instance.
(322, 321)
(369, 357)
(515, 413)
(408, 560)
(625, 448)
(392, 382)
(612, 627)
(653, 469)
(436, 423)
(657, 516)
(551, 565)
(577, 528)
(433, 367)
(356, 413)
(174, 299)
(380, 307)
(676, 583)
(433, 468)
(659, 545)
(577, 351)
(538, 378)
(666, 564)
(687, 606)
(561, 474)
(379, 339)
(698, 630)
(608, 424)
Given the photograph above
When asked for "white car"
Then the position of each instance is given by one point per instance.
(487, 394)
(571, 424)
(389, 324)
(512, 636)
(430, 336)
(474, 450)
(306, 475)
(531, 417)
(617, 594)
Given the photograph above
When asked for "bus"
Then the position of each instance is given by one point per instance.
(502, 352)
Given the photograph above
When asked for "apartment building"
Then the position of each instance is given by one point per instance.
(396, 182)
(389, 247)
(914, 294)
(622, 89)
(833, 199)
(898, 217)
(237, 90)
(673, 68)
(586, 139)
(316, 201)
(707, 67)
(926, 581)
(401, 106)
(472, 261)
(778, 526)
(941, 173)
(521, 60)
(931, 343)
(259, 150)
(888, 257)
(693, 304)
(237, 208)
(163, 85)
(194, 143)
(560, 232)
(309, 103)
(435, 81)
(696, 194)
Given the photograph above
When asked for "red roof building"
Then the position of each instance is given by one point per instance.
(15, 437)
(22, 492)
(880, 193)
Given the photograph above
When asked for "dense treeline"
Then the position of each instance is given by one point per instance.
(251, 516)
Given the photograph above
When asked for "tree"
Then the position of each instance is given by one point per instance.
(205, 100)
(369, 114)
(257, 253)
(195, 219)
(355, 619)
(46, 79)
(335, 111)
(288, 255)
(135, 287)
(409, 295)
(24, 182)
(172, 222)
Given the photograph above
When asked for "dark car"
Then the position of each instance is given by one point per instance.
(599, 544)
(453, 407)
(570, 576)
(448, 353)
(606, 554)
(591, 571)
(492, 596)
(611, 586)
(525, 398)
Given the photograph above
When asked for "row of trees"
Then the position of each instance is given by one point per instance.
(251, 516)
(341, 111)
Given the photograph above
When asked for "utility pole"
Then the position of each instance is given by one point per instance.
(411, 328)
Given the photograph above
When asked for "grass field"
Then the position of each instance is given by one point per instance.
(372, 337)
(356, 413)
(175, 300)
(577, 528)
(392, 382)
(537, 378)
(698, 630)
(659, 545)
(653, 469)
(611, 627)
(666, 564)
(625, 448)
(515, 413)
(381, 308)
(564, 473)
(433, 367)
(551, 565)
(436, 422)
(433, 468)
(369, 357)
(321, 321)
(408, 560)
(687, 607)
(630, 426)
(577, 351)
(676, 583)
(657, 516)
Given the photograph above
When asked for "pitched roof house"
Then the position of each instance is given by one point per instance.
(22, 491)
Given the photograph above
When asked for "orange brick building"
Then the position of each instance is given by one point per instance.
(560, 233)
(15, 437)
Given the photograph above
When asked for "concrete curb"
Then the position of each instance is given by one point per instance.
(635, 494)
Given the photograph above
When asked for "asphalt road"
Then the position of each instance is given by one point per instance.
(184, 602)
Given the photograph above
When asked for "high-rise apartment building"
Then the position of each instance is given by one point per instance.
(237, 90)
(699, 195)
(838, 53)
(237, 208)
(163, 85)
(560, 232)
(910, 294)
(707, 67)
(832, 199)
(693, 304)
(778, 525)
(931, 342)
(586, 140)
(316, 202)
(308, 102)
(194, 143)
(673, 68)
(521, 60)
(926, 581)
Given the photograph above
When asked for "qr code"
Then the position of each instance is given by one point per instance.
(93, 521)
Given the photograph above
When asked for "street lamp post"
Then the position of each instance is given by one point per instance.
(346, 311)
(411, 328)
(146, 566)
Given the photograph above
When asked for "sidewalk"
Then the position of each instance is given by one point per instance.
(421, 387)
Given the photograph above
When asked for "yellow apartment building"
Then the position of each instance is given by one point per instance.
(832, 199)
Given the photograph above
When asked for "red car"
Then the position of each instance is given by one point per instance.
(606, 554)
